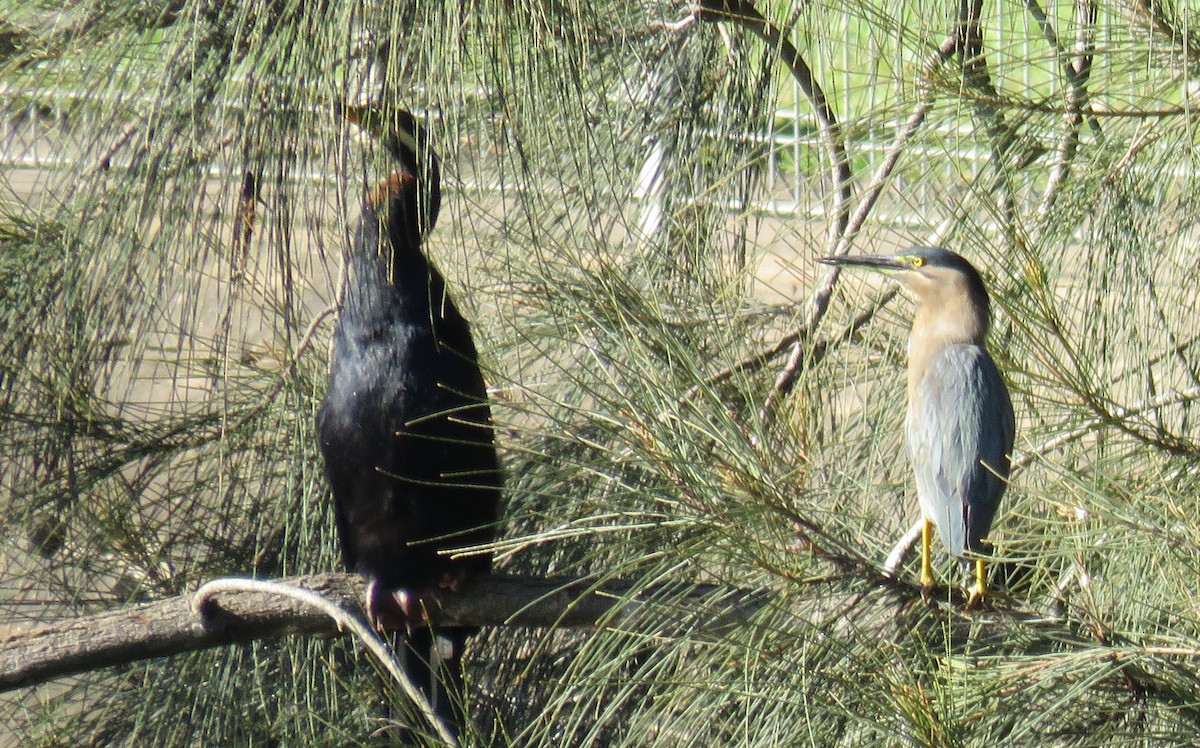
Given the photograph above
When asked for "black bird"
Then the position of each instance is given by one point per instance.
(405, 426)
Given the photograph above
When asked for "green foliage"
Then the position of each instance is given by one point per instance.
(166, 299)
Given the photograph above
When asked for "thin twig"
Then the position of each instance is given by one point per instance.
(271, 394)
(901, 549)
(203, 602)
(816, 354)
(1044, 106)
(748, 364)
(743, 13)
(843, 226)
(1064, 60)
(1175, 351)
(1079, 71)
(819, 303)
(104, 163)
(976, 76)
(1115, 417)
(1150, 13)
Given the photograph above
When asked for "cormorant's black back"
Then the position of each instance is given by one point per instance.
(405, 426)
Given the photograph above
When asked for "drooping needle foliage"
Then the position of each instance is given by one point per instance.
(634, 196)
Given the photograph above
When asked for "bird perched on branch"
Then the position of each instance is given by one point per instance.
(405, 427)
(960, 426)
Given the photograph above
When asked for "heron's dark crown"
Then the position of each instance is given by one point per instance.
(945, 285)
(937, 257)
(923, 269)
(929, 260)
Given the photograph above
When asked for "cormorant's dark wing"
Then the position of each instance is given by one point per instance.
(405, 427)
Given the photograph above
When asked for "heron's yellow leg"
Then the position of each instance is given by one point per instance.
(927, 551)
(979, 589)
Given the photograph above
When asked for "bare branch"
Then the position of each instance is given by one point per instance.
(104, 163)
(1078, 71)
(238, 611)
(819, 302)
(1116, 417)
(223, 616)
(743, 13)
(344, 618)
(1151, 15)
(816, 354)
(1070, 73)
(902, 547)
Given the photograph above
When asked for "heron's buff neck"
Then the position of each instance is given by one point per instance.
(944, 317)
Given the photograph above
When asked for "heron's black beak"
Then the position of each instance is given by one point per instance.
(883, 264)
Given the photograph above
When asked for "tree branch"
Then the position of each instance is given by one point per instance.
(1069, 71)
(819, 302)
(744, 14)
(815, 355)
(1118, 418)
(234, 612)
(222, 616)
(1076, 76)
(1154, 16)
(203, 605)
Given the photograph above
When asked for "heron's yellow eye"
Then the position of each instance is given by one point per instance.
(916, 262)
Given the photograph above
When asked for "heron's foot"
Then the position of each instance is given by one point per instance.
(928, 583)
(978, 591)
(928, 587)
(976, 596)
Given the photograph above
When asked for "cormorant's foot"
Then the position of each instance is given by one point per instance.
(412, 601)
(452, 580)
(402, 608)
(386, 610)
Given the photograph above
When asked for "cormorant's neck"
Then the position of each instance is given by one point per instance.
(389, 275)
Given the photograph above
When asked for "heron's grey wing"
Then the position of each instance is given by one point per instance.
(960, 438)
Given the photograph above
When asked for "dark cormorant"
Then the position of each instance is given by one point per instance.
(405, 427)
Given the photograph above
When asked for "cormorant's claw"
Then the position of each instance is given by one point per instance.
(385, 611)
(405, 608)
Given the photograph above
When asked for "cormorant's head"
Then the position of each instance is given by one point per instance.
(413, 195)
